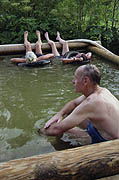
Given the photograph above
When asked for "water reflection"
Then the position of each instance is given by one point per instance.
(31, 96)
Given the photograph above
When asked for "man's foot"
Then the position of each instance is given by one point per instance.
(27, 44)
(39, 36)
(25, 35)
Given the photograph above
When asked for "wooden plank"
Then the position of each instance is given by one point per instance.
(84, 163)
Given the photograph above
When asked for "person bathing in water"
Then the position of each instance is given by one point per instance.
(65, 50)
(30, 55)
(96, 110)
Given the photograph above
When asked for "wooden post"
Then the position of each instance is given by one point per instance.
(84, 163)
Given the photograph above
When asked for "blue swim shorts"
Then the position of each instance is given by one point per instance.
(95, 135)
(38, 55)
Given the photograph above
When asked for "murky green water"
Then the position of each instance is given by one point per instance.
(31, 96)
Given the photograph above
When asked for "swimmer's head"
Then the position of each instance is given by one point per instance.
(30, 57)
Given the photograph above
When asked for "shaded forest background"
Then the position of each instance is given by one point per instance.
(75, 19)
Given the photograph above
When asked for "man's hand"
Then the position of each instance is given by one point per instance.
(41, 131)
(57, 118)
(53, 130)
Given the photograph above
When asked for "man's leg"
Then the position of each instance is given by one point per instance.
(81, 134)
(52, 44)
(65, 47)
(26, 42)
(38, 43)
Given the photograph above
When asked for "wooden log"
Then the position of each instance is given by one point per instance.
(115, 177)
(12, 49)
(84, 163)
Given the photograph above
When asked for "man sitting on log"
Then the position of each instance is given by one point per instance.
(65, 50)
(96, 111)
(30, 55)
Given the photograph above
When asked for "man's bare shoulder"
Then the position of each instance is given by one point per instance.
(98, 94)
(96, 97)
(101, 98)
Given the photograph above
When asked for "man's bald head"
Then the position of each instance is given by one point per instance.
(91, 71)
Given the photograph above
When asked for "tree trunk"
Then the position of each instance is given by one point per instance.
(85, 163)
(113, 13)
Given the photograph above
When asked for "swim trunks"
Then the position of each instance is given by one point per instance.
(71, 54)
(38, 55)
(62, 56)
(95, 135)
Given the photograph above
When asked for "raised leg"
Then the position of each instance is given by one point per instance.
(26, 42)
(38, 43)
(65, 47)
(52, 44)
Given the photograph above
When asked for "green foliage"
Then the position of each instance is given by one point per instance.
(74, 19)
(13, 31)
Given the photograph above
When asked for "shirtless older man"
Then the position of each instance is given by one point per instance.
(97, 106)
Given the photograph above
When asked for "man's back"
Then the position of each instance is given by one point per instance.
(105, 113)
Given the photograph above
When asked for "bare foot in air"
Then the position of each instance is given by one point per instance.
(58, 36)
(47, 36)
(25, 35)
(39, 36)
(48, 40)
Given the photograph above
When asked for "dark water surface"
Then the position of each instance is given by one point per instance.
(31, 96)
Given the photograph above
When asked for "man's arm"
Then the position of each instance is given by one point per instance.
(57, 129)
(80, 114)
(66, 110)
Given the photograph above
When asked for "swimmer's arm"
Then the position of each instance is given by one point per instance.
(69, 60)
(18, 60)
(78, 59)
(45, 57)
